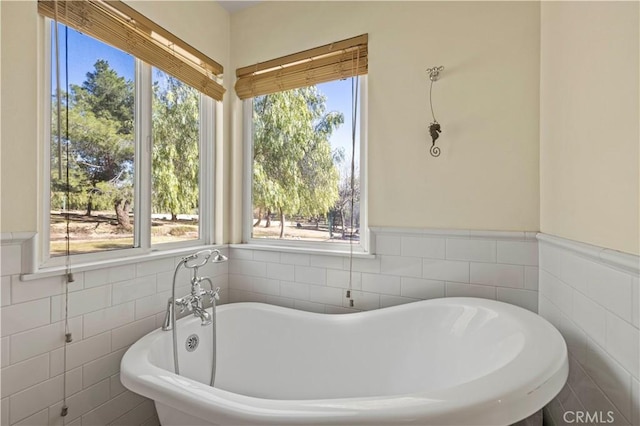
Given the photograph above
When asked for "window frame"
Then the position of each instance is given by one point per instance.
(360, 247)
(142, 169)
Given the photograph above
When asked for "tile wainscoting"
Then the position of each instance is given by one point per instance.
(109, 309)
(409, 265)
(588, 293)
(591, 295)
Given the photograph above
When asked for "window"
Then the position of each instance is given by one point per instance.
(175, 160)
(300, 188)
(132, 168)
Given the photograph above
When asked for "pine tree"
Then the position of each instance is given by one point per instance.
(100, 142)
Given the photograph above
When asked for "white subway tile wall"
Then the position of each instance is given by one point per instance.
(594, 305)
(409, 265)
(109, 309)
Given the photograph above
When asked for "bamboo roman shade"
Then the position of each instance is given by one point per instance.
(342, 59)
(119, 25)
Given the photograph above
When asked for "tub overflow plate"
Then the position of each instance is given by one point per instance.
(192, 343)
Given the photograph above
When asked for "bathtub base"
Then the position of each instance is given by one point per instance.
(171, 417)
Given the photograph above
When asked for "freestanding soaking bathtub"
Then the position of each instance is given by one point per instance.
(453, 361)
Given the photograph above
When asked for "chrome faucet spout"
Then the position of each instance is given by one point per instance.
(204, 316)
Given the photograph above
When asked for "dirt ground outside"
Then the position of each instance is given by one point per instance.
(298, 230)
(99, 232)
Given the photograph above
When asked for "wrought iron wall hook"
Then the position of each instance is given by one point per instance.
(434, 128)
(434, 73)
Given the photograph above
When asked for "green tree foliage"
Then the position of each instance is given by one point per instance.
(108, 96)
(293, 167)
(175, 159)
(100, 142)
(66, 177)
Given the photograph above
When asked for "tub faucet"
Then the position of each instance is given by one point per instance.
(194, 301)
(194, 305)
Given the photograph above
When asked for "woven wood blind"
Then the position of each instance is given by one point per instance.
(342, 59)
(119, 25)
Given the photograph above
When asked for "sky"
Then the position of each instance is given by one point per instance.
(84, 51)
(338, 94)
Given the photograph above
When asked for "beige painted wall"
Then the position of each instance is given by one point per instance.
(589, 120)
(205, 25)
(487, 101)
(19, 104)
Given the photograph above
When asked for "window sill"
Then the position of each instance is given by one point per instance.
(53, 271)
(301, 250)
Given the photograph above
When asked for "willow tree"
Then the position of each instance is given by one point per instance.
(348, 204)
(293, 167)
(175, 157)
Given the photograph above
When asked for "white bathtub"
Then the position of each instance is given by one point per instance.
(454, 361)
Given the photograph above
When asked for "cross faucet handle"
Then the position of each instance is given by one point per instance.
(213, 294)
(183, 303)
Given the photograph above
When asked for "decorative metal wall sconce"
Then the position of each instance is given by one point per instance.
(434, 128)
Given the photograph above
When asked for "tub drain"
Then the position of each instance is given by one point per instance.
(192, 342)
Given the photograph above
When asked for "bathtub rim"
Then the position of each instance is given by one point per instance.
(504, 407)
